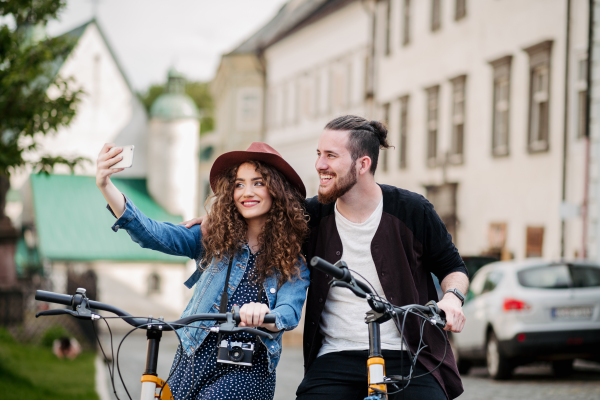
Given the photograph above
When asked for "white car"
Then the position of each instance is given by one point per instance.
(523, 311)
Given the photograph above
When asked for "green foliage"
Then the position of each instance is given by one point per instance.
(53, 333)
(198, 91)
(34, 373)
(28, 70)
(6, 337)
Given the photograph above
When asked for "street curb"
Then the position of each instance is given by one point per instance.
(101, 388)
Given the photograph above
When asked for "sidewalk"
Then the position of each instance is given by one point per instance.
(132, 359)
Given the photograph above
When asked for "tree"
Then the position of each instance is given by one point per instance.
(34, 100)
(198, 91)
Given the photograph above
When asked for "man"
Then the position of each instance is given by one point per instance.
(394, 239)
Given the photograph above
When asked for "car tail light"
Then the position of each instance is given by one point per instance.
(514, 304)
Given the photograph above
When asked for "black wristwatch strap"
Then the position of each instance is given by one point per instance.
(458, 294)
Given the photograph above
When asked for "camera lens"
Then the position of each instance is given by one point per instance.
(236, 354)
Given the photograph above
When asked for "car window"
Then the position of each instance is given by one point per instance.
(492, 280)
(546, 277)
(585, 276)
(477, 285)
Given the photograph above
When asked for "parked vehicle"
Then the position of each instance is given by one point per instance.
(473, 263)
(523, 311)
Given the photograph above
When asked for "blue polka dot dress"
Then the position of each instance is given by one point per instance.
(202, 377)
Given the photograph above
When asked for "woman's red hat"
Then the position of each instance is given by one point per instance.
(257, 151)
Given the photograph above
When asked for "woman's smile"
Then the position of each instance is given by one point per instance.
(251, 195)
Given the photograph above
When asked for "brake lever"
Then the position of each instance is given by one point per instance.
(254, 331)
(352, 286)
(63, 311)
(438, 316)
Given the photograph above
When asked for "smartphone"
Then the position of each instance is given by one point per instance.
(127, 160)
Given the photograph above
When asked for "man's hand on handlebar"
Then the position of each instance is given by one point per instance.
(253, 315)
(455, 318)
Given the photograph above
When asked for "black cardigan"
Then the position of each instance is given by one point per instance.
(410, 243)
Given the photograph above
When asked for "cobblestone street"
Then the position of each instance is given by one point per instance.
(529, 382)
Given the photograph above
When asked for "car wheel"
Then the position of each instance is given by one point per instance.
(562, 368)
(463, 365)
(498, 365)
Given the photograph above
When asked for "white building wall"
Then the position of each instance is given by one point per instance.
(302, 95)
(108, 112)
(522, 189)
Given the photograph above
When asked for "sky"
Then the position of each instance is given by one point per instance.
(150, 36)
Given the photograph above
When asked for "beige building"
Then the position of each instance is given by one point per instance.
(485, 103)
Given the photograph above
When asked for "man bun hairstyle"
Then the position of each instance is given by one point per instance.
(366, 137)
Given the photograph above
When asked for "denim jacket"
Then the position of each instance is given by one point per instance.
(285, 301)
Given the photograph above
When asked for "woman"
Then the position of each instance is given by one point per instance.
(257, 225)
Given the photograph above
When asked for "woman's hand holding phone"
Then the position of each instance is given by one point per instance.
(109, 156)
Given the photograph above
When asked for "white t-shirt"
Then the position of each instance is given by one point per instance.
(342, 321)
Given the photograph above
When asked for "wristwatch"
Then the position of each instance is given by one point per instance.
(458, 294)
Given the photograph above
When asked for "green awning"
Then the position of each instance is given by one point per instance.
(73, 224)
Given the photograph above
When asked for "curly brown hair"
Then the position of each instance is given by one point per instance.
(282, 235)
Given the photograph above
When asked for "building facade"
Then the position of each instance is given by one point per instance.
(485, 102)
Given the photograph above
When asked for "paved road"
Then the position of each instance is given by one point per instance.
(530, 382)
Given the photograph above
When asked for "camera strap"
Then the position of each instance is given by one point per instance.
(225, 295)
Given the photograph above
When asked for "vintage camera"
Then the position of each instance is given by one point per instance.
(238, 353)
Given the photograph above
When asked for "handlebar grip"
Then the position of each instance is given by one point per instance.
(52, 297)
(326, 267)
(269, 318)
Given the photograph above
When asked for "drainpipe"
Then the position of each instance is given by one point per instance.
(260, 56)
(585, 205)
(370, 7)
(565, 127)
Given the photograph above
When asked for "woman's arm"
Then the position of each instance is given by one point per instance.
(161, 236)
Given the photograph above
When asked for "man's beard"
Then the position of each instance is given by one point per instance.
(341, 187)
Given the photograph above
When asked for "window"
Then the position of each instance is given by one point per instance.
(306, 98)
(501, 106)
(406, 22)
(581, 98)
(339, 87)
(539, 96)
(154, 286)
(443, 198)
(436, 15)
(249, 109)
(432, 124)
(403, 132)
(387, 29)
(368, 78)
(206, 153)
(349, 86)
(460, 9)
(535, 241)
(384, 152)
(491, 281)
(560, 276)
(458, 119)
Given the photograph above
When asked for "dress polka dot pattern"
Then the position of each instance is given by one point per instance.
(202, 377)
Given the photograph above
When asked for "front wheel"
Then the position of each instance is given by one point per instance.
(498, 366)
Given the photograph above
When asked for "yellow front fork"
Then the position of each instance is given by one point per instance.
(166, 392)
(376, 369)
